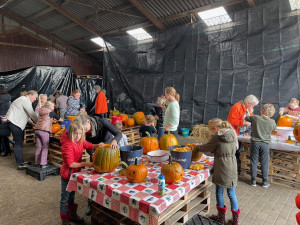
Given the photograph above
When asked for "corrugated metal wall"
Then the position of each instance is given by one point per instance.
(20, 50)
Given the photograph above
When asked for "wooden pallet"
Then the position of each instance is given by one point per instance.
(133, 137)
(88, 76)
(29, 135)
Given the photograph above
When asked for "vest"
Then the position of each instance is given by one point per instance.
(44, 121)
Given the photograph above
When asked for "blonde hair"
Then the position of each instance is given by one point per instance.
(82, 118)
(149, 119)
(171, 91)
(73, 128)
(104, 91)
(268, 110)
(294, 101)
(48, 104)
(118, 125)
(251, 99)
(216, 122)
(40, 99)
(31, 92)
(75, 92)
(97, 88)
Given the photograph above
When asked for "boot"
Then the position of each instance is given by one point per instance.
(65, 219)
(73, 214)
(235, 217)
(220, 218)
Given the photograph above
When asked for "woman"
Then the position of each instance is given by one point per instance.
(5, 101)
(61, 103)
(18, 115)
(73, 107)
(172, 112)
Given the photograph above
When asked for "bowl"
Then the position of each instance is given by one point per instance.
(130, 152)
(183, 158)
(158, 156)
(285, 131)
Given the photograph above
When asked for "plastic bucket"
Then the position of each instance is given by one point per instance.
(65, 123)
(130, 152)
(183, 158)
(185, 132)
(116, 119)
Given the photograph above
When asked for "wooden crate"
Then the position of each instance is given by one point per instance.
(133, 137)
(29, 135)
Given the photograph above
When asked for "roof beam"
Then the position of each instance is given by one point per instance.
(148, 14)
(251, 3)
(6, 3)
(43, 12)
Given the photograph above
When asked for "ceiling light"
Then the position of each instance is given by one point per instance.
(139, 34)
(215, 16)
(100, 41)
(295, 4)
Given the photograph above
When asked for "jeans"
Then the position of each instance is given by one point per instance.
(102, 115)
(18, 135)
(62, 112)
(66, 197)
(260, 151)
(231, 195)
(175, 133)
(160, 132)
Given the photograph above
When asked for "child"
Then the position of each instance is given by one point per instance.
(223, 144)
(43, 128)
(123, 140)
(293, 110)
(148, 126)
(262, 127)
(72, 144)
(42, 101)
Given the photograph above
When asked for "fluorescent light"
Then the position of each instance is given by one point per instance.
(215, 16)
(139, 34)
(295, 4)
(100, 41)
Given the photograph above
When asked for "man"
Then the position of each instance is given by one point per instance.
(101, 103)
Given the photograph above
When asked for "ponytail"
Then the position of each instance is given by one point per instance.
(171, 91)
(177, 97)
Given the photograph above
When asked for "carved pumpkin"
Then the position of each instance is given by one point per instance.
(172, 171)
(196, 155)
(130, 121)
(55, 127)
(297, 132)
(149, 143)
(136, 173)
(106, 159)
(139, 118)
(167, 140)
(116, 112)
(124, 118)
(297, 200)
(284, 121)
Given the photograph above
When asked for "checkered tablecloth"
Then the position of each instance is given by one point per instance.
(138, 201)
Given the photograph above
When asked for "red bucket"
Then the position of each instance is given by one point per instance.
(116, 119)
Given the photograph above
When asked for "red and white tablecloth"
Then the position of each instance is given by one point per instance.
(138, 201)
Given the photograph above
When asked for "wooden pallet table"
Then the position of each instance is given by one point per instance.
(29, 135)
(133, 137)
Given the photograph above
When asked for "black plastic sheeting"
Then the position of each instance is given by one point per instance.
(211, 68)
(48, 80)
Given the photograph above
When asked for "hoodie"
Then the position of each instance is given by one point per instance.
(5, 101)
(223, 144)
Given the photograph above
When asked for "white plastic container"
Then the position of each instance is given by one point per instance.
(285, 131)
(158, 156)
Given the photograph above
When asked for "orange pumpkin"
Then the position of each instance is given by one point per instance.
(124, 118)
(284, 121)
(130, 121)
(136, 173)
(297, 123)
(172, 171)
(196, 155)
(149, 143)
(297, 132)
(106, 159)
(55, 127)
(167, 140)
(297, 200)
(139, 118)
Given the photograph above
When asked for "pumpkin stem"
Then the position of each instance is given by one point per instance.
(124, 165)
(170, 159)
(148, 134)
(169, 132)
(289, 138)
(136, 161)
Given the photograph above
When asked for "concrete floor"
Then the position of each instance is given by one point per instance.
(25, 200)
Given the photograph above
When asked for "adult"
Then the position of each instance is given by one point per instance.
(61, 103)
(101, 102)
(5, 102)
(172, 112)
(73, 107)
(18, 115)
(236, 118)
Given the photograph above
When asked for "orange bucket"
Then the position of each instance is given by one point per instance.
(72, 118)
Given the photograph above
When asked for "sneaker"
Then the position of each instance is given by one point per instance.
(265, 184)
(27, 163)
(44, 166)
(253, 183)
(21, 167)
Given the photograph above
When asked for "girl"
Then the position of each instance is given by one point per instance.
(223, 144)
(123, 141)
(72, 144)
(147, 126)
(41, 103)
(42, 132)
(293, 110)
(73, 107)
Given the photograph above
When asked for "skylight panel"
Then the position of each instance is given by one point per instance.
(100, 41)
(215, 16)
(140, 34)
(295, 4)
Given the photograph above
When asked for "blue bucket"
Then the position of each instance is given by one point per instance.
(185, 132)
(66, 124)
(130, 152)
(183, 158)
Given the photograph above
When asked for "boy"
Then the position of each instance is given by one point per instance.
(262, 126)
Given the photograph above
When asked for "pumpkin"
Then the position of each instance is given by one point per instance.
(136, 173)
(297, 200)
(60, 131)
(124, 118)
(172, 171)
(284, 121)
(289, 141)
(297, 123)
(116, 112)
(106, 159)
(297, 132)
(149, 143)
(72, 118)
(196, 166)
(130, 121)
(167, 140)
(55, 127)
(196, 155)
(139, 118)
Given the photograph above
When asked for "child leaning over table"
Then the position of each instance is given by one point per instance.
(293, 110)
(148, 126)
(262, 126)
(223, 144)
(72, 144)
(123, 140)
